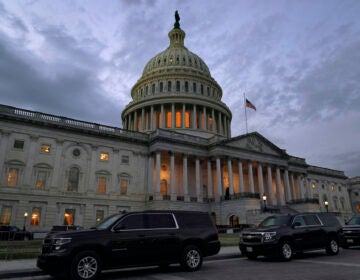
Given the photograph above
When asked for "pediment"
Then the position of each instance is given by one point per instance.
(255, 142)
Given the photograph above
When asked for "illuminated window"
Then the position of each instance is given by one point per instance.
(35, 216)
(5, 215)
(73, 181)
(234, 221)
(104, 156)
(19, 144)
(12, 177)
(171, 59)
(69, 217)
(99, 215)
(163, 187)
(124, 186)
(332, 187)
(210, 123)
(102, 185)
(168, 119)
(45, 148)
(313, 186)
(187, 119)
(178, 118)
(125, 160)
(358, 208)
(40, 180)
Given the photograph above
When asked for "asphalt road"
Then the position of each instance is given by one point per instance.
(316, 265)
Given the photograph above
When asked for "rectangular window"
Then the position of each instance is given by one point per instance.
(169, 86)
(5, 216)
(178, 118)
(186, 87)
(161, 86)
(99, 215)
(45, 148)
(69, 217)
(187, 119)
(160, 221)
(35, 216)
(19, 144)
(12, 177)
(102, 185)
(123, 186)
(194, 87)
(177, 85)
(125, 159)
(104, 156)
(40, 180)
(153, 88)
(168, 119)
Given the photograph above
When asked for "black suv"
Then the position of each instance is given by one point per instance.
(350, 233)
(131, 239)
(283, 235)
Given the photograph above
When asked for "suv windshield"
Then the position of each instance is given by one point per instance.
(275, 221)
(108, 222)
(354, 221)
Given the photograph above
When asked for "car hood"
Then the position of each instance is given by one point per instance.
(262, 229)
(74, 233)
(351, 227)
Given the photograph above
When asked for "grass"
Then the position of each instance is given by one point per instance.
(10, 250)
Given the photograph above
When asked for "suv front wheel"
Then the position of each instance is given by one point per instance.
(85, 265)
(191, 258)
(332, 247)
(285, 251)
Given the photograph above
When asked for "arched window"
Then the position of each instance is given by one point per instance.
(234, 221)
(161, 86)
(177, 85)
(73, 180)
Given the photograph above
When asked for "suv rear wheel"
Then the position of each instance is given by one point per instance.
(85, 265)
(332, 247)
(191, 258)
(285, 251)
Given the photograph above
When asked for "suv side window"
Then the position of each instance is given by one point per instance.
(157, 221)
(300, 221)
(135, 221)
(312, 220)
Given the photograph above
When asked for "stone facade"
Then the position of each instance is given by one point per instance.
(175, 152)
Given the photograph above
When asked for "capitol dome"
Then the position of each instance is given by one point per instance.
(176, 91)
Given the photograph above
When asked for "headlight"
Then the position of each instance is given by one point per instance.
(269, 236)
(61, 241)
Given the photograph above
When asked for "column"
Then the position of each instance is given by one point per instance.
(135, 121)
(172, 176)
(288, 196)
(185, 178)
(261, 180)
(241, 176)
(301, 186)
(173, 115)
(197, 179)
(225, 127)
(270, 186)
(157, 182)
(209, 176)
(279, 187)
(183, 116)
(218, 178)
(162, 121)
(251, 177)
(194, 117)
(230, 175)
(152, 126)
(220, 124)
(293, 186)
(34, 148)
(205, 119)
(142, 119)
(129, 122)
(213, 120)
(150, 174)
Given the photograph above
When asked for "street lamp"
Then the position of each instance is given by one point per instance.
(264, 200)
(326, 203)
(25, 216)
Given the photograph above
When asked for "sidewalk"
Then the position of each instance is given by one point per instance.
(27, 267)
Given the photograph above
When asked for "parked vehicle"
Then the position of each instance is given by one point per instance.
(284, 235)
(350, 233)
(14, 233)
(131, 239)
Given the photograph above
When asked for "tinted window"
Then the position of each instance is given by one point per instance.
(194, 220)
(312, 220)
(159, 221)
(300, 220)
(135, 221)
(275, 221)
(354, 221)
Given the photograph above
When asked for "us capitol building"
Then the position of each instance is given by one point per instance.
(175, 151)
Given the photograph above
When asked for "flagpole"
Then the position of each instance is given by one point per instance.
(245, 114)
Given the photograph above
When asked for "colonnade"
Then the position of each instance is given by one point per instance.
(177, 176)
(177, 115)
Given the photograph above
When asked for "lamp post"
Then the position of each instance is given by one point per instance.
(25, 216)
(326, 203)
(264, 200)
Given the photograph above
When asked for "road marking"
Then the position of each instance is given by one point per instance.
(330, 263)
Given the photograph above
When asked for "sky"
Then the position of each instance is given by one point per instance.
(298, 62)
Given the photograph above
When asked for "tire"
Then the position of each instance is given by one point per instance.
(285, 251)
(332, 247)
(85, 265)
(191, 258)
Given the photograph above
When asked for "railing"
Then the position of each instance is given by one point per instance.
(242, 195)
(303, 200)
